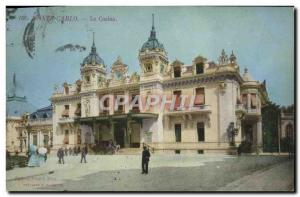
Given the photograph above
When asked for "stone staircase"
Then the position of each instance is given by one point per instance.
(129, 151)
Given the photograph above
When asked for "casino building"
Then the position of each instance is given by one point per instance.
(226, 109)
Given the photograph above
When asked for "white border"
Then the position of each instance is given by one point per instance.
(4, 3)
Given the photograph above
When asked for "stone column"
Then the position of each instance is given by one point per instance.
(127, 134)
(112, 128)
(259, 136)
(248, 101)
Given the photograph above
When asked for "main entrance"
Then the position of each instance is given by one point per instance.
(119, 133)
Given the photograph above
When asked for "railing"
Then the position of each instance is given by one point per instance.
(65, 119)
(196, 108)
(40, 121)
(241, 107)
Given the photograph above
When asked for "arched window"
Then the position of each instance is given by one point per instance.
(34, 116)
(199, 68)
(177, 71)
(289, 130)
(45, 115)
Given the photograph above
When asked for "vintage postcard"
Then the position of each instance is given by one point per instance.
(150, 99)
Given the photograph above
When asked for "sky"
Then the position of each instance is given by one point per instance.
(262, 38)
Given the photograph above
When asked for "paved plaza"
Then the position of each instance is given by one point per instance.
(167, 173)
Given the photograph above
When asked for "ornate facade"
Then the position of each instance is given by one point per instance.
(226, 109)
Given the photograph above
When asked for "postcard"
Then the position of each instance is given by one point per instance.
(150, 99)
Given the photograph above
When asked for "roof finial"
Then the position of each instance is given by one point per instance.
(153, 33)
(93, 38)
(152, 21)
(15, 84)
(93, 46)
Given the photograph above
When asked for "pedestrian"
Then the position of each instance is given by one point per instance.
(74, 151)
(70, 151)
(66, 151)
(78, 150)
(84, 152)
(145, 160)
(60, 155)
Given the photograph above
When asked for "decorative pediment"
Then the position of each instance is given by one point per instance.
(135, 77)
(177, 63)
(119, 69)
(199, 59)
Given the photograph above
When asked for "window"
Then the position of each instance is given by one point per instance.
(66, 111)
(46, 140)
(200, 97)
(45, 115)
(121, 106)
(178, 99)
(199, 68)
(66, 138)
(78, 110)
(244, 100)
(135, 107)
(177, 72)
(200, 151)
(34, 140)
(177, 151)
(253, 101)
(79, 137)
(87, 79)
(148, 67)
(178, 132)
(200, 131)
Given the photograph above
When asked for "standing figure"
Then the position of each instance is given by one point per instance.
(74, 150)
(60, 155)
(145, 160)
(66, 151)
(70, 151)
(78, 150)
(84, 152)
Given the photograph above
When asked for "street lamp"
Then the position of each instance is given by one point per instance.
(25, 119)
(232, 132)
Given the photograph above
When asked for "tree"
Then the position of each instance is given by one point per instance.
(270, 125)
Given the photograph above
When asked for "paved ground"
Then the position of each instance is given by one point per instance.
(167, 173)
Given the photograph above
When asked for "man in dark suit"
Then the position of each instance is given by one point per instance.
(83, 154)
(145, 160)
(60, 155)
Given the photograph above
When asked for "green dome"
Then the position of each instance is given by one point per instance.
(93, 58)
(152, 43)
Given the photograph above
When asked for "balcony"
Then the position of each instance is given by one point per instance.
(40, 121)
(240, 108)
(193, 110)
(65, 120)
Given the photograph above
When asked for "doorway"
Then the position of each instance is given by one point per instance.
(178, 132)
(119, 132)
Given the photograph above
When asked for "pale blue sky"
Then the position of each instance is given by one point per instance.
(261, 37)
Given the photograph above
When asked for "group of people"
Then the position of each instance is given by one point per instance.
(62, 152)
(37, 156)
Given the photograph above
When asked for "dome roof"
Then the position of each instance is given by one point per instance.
(247, 76)
(93, 58)
(152, 43)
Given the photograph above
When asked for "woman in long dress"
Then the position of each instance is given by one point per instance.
(33, 158)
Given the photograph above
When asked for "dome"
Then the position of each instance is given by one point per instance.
(152, 43)
(93, 58)
(247, 76)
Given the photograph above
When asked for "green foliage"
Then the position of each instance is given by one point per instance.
(270, 122)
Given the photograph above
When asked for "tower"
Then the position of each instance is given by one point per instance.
(153, 57)
(93, 69)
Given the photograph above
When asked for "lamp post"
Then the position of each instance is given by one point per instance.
(232, 132)
(27, 126)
